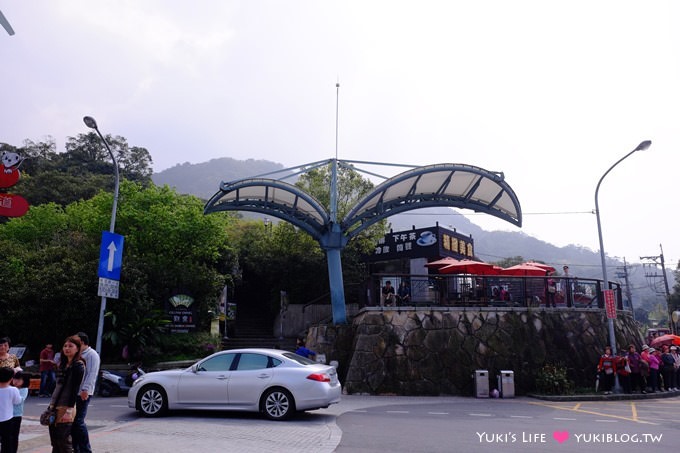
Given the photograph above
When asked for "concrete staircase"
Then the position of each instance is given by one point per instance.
(255, 333)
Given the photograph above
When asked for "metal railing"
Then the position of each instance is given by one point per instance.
(495, 291)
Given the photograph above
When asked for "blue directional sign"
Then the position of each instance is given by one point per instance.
(111, 255)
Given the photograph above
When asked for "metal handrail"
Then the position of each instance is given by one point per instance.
(496, 290)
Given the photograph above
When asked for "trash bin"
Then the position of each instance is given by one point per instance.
(506, 384)
(481, 383)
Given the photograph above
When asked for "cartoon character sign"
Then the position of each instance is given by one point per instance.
(11, 205)
(9, 169)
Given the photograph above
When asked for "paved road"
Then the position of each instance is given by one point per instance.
(523, 424)
(371, 424)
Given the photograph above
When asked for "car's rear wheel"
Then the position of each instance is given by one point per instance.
(277, 404)
(152, 401)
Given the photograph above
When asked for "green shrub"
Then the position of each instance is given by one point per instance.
(184, 346)
(552, 380)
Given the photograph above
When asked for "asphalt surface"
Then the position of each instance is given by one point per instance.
(315, 431)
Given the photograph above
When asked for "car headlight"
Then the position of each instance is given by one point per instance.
(138, 381)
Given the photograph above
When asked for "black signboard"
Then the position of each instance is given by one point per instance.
(180, 308)
(433, 242)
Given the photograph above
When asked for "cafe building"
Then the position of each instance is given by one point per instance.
(404, 255)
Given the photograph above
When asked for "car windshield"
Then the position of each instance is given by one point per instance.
(298, 358)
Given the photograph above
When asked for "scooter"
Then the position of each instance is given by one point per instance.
(114, 383)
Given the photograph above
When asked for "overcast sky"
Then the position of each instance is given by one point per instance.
(552, 93)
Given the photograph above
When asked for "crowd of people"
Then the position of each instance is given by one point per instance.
(68, 379)
(649, 371)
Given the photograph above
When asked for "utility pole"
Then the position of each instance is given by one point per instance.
(656, 261)
(624, 275)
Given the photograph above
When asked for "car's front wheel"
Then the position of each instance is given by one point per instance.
(277, 404)
(152, 401)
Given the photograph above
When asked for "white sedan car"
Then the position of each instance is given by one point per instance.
(271, 381)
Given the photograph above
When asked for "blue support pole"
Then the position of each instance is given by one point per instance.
(337, 286)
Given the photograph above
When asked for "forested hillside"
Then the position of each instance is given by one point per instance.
(203, 180)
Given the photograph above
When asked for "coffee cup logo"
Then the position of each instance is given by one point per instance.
(426, 238)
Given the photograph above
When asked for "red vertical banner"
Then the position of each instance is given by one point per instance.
(610, 303)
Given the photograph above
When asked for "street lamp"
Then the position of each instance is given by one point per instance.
(641, 147)
(92, 124)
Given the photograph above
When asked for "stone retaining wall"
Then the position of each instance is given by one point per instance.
(435, 351)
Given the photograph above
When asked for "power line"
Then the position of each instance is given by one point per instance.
(483, 213)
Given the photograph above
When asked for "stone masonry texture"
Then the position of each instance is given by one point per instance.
(434, 352)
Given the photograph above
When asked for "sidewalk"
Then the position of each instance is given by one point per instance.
(36, 438)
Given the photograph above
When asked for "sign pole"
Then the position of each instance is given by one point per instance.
(92, 124)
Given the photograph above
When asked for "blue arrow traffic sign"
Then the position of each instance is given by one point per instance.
(111, 255)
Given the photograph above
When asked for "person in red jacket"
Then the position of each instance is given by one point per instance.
(624, 371)
(607, 368)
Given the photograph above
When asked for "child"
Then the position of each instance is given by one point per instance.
(9, 396)
(21, 383)
(303, 351)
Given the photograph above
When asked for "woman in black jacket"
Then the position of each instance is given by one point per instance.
(69, 377)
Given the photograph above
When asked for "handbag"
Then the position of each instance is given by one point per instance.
(48, 417)
(61, 411)
(552, 289)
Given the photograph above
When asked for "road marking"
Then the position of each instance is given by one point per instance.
(562, 418)
(363, 411)
(481, 415)
(607, 421)
(577, 407)
(521, 416)
(633, 409)
(397, 412)
(438, 413)
(581, 411)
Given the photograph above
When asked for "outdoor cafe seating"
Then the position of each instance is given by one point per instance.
(484, 285)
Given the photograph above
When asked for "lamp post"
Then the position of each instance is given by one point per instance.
(641, 147)
(92, 124)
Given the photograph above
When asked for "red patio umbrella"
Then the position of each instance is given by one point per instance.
(442, 262)
(523, 270)
(543, 266)
(669, 339)
(470, 267)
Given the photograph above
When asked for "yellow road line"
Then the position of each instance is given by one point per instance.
(578, 405)
(633, 409)
(593, 413)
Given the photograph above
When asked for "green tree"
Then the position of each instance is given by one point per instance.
(351, 187)
(81, 171)
(50, 258)
(674, 302)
